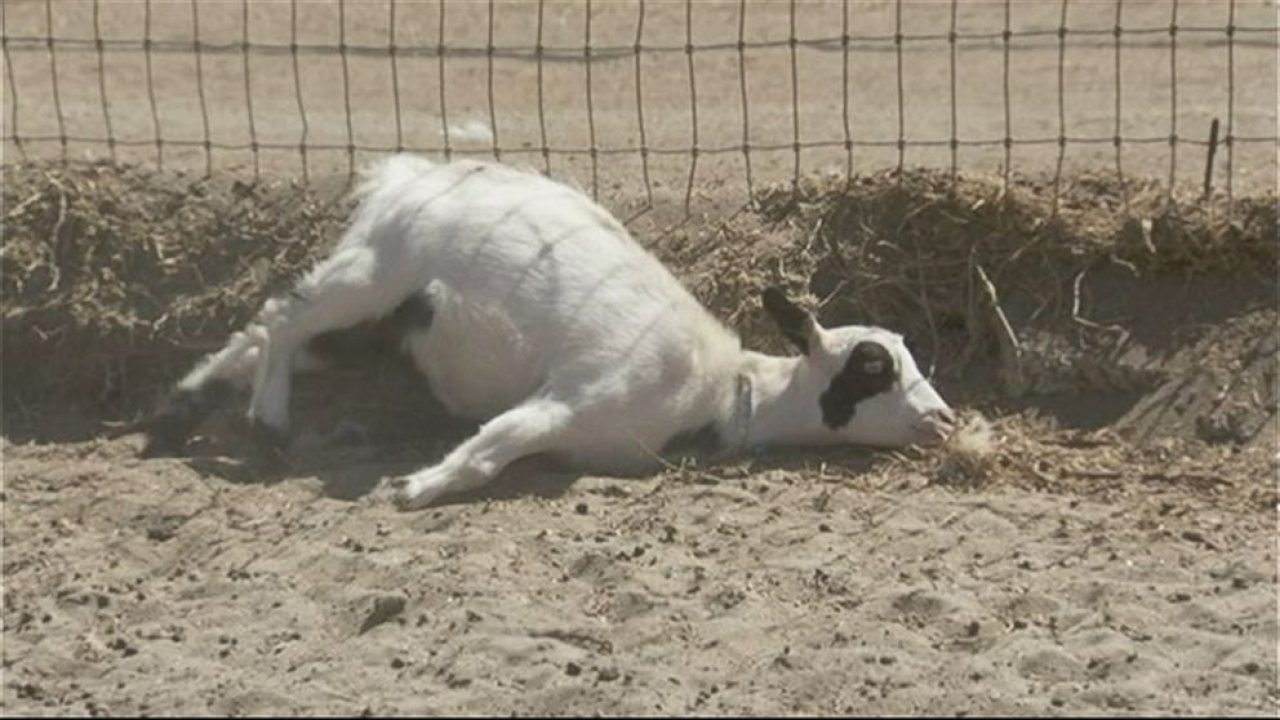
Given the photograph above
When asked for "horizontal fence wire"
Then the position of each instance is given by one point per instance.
(771, 90)
(600, 52)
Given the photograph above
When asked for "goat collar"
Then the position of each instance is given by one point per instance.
(738, 431)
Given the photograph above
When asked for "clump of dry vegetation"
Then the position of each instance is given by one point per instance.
(115, 278)
(911, 250)
(111, 274)
(968, 457)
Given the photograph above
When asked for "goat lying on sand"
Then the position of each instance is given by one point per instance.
(527, 305)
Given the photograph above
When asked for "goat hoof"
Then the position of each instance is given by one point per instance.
(398, 491)
(166, 434)
(178, 415)
(401, 498)
(406, 503)
(382, 493)
(162, 444)
(269, 441)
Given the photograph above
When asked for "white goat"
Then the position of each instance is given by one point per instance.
(530, 307)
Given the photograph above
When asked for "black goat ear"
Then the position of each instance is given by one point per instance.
(912, 346)
(796, 324)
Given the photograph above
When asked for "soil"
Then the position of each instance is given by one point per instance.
(1099, 539)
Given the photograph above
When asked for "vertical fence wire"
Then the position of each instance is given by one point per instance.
(902, 120)
(1173, 99)
(1231, 104)
(955, 138)
(742, 82)
(151, 85)
(53, 77)
(1062, 112)
(1207, 194)
(102, 80)
(152, 49)
(1118, 32)
(248, 88)
(204, 103)
(795, 96)
(444, 108)
(644, 143)
(13, 91)
(1008, 117)
(591, 108)
(297, 90)
(493, 114)
(844, 92)
(346, 88)
(542, 107)
(693, 103)
(393, 51)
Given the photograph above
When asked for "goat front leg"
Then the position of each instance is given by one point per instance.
(533, 427)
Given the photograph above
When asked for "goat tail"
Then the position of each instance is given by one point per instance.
(392, 172)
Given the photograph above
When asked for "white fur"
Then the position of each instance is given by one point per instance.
(556, 328)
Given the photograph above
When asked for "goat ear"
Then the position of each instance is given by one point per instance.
(796, 325)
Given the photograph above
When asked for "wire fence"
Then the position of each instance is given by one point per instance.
(649, 96)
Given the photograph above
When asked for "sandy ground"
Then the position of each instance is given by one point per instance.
(849, 587)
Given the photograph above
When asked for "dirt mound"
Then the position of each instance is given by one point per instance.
(1094, 312)
(112, 274)
(1122, 294)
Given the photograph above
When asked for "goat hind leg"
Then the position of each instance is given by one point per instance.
(213, 380)
(207, 387)
(349, 287)
(532, 427)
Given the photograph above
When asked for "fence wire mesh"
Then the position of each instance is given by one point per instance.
(653, 97)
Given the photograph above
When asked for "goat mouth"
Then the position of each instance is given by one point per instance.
(933, 434)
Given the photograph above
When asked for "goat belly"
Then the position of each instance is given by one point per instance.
(474, 358)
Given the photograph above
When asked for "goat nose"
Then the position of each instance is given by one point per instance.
(940, 422)
(936, 426)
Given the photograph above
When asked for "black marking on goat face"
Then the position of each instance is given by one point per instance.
(178, 415)
(869, 371)
(791, 320)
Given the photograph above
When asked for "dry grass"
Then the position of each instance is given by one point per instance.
(968, 457)
(113, 274)
(907, 250)
(116, 278)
